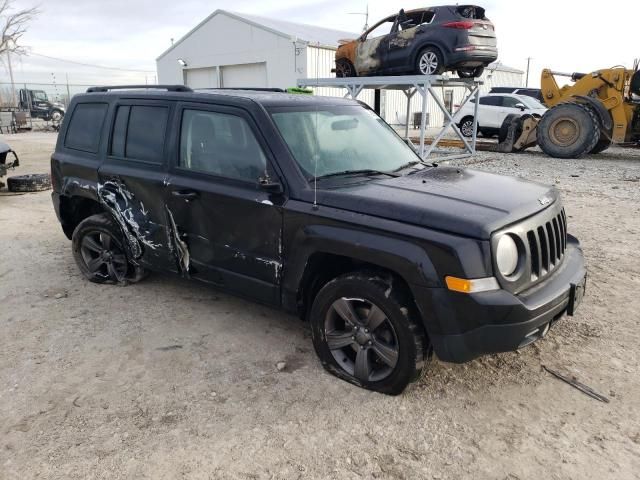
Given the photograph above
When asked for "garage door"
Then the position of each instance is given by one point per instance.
(201, 78)
(244, 76)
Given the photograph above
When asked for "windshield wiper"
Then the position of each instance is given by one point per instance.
(366, 171)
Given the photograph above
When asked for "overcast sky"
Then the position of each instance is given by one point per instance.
(130, 34)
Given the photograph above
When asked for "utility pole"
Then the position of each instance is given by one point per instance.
(6, 41)
(68, 91)
(528, 64)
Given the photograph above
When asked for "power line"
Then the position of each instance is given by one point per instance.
(89, 64)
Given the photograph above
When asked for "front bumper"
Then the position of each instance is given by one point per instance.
(506, 322)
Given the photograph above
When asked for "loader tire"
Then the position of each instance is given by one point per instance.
(602, 144)
(504, 128)
(35, 182)
(568, 130)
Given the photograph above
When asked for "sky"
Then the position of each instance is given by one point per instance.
(130, 34)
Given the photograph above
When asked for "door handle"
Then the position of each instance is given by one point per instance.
(185, 194)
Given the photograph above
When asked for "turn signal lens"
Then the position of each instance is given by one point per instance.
(464, 285)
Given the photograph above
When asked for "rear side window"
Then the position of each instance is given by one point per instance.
(495, 101)
(139, 133)
(85, 127)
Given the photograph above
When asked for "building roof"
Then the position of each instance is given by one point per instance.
(501, 67)
(300, 32)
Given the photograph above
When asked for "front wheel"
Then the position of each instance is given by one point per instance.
(365, 331)
(466, 126)
(345, 69)
(430, 62)
(99, 252)
(56, 115)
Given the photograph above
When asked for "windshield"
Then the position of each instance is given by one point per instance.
(531, 102)
(40, 96)
(332, 140)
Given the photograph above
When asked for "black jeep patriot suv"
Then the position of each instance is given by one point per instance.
(317, 206)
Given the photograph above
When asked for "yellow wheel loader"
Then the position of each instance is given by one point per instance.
(598, 109)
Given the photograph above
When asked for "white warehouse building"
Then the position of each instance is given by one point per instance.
(237, 50)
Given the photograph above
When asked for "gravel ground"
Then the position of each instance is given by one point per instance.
(168, 379)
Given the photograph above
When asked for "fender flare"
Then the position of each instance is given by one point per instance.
(406, 259)
(603, 114)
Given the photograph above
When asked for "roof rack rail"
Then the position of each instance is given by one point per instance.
(169, 88)
(248, 89)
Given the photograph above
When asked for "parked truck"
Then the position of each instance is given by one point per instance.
(38, 104)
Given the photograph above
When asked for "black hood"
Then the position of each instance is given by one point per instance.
(463, 201)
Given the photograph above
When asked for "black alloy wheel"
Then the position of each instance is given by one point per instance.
(361, 339)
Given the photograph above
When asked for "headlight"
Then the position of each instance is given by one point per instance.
(507, 255)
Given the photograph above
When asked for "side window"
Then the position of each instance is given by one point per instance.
(494, 101)
(220, 144)
(510, 102)
(381, 30)
(139, 132)
(85, 127)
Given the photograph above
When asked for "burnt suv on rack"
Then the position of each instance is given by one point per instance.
(425, 41)
(317, 206)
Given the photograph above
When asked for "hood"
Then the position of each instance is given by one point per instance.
(462, 201)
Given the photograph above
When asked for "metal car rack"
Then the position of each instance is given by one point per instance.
(409, 85)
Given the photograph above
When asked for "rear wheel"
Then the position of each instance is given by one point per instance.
(365, 331)
(99, 251)
(568, 130)
(430, 62)
(470, 72)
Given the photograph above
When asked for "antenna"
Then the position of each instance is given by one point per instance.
(315, 163)
(366, 17)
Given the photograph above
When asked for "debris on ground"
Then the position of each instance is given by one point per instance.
(576, 384)
(281, 366)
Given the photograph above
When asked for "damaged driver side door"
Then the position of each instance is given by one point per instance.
(227, 226)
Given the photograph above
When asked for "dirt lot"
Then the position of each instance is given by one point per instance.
(170, 379)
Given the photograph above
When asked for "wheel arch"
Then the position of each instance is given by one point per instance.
(429, 44)
(327, 252)
(74, 209)
(606, 120)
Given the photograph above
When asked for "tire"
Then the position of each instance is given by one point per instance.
(56, 115)
(504, 128)
(98, 249)
(602, 144)
(488, 133)
(470, 72)
(344, 69)
(35, 182)
(466, 127)
(385, 359)
(430, 62)
(568, 130)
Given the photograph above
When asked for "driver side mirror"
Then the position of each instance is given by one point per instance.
(521, 106)
(270, 185)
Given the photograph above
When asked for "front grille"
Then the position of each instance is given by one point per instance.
(543, 244)
(547, 244)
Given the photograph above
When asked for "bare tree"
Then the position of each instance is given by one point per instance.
(13, 25)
